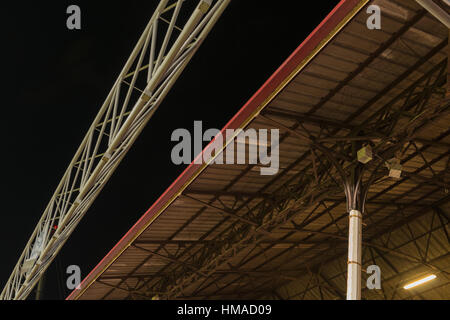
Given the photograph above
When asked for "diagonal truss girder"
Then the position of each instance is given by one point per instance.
(150, 72)
(309, 191)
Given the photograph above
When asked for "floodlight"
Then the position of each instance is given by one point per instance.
(365, 154)
(395, 168)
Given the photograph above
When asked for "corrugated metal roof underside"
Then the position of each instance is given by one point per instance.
(304, 256)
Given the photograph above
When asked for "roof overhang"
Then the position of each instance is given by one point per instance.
(275, 104)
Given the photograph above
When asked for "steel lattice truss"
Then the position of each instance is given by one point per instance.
(146, 79)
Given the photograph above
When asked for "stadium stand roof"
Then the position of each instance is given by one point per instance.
(225, 231)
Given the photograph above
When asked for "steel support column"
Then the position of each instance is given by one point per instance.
(356, 191)
(354, 256)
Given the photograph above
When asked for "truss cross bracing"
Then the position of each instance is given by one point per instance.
(162, 53)
(226, 232)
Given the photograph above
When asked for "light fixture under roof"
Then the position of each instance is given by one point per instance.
(419, 282)
(395, 168)
(365, 154)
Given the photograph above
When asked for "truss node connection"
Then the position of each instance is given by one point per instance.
(150, 72)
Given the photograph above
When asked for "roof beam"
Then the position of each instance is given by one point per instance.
(434, 180)
(436, 11)
(219, 193)
(369, 60)
(337, 255)
(335, 289)
(171, 259)
(230, 214)
(435, 50)
(429, 264)
(273, 112)
(211, 242)
(385, 203)
(417, 171)
(442, 215)
(367, 244)
(127, 290)
(399, 275)
(420, 169)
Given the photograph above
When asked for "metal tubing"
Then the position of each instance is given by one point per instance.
(354, 256)
(67, 208)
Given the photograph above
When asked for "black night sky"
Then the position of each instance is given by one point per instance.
(54, 81)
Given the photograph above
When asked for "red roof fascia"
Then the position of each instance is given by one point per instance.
(332, 21)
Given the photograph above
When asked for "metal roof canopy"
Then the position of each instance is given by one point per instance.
(225, 231)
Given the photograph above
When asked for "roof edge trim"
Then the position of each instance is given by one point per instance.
(308, 49)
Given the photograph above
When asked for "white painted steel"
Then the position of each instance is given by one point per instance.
(112, 133)
(354, 256)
